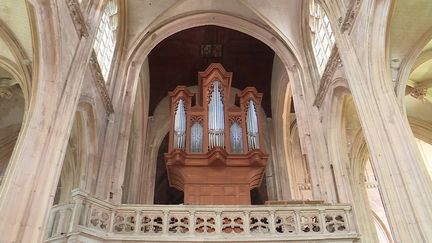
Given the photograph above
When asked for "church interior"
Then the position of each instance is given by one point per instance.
(126, 121)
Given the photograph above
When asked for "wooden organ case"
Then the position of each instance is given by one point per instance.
(215, 152)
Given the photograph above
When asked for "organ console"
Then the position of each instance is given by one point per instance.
(215, 152)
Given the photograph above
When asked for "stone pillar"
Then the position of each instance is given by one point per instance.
(29, 187)
(402, 175)
(313, 145)
(312, 138)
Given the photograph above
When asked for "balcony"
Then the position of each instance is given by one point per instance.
(93, 220)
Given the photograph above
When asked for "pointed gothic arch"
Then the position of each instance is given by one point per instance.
(291, 63)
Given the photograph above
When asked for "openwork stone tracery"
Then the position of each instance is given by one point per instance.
(211, 222)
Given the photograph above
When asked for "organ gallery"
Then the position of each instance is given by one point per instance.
(215, 152)
(132, 121)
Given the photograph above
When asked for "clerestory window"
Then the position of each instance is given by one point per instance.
(106, 38)
(321, 35)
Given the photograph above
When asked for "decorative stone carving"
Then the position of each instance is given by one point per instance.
(335, 222)
(304, 186)
(419, 93)
(152, 223)
(259, 223)
(163, 223)
(99, 219)
(77, 18)
(178, 224)
(5, 93)
(100, 83)
(205, 223)
(5, 90)
(124, 223)
(351, 16)
(285, 224)
(310, 222)
(232, 224)
(332, 64)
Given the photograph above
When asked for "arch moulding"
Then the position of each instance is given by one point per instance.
(124, 100)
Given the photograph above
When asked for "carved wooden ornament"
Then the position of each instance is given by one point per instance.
(215, 152)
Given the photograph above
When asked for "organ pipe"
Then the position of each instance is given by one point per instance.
(180, 126)
(198, 158)
(216, 118)
(196, 138)
(236, 138)
(252, 126)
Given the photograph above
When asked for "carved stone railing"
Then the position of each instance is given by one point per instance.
(59, 220)
(107, 221)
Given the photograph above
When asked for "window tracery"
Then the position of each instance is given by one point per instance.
(321, 35)
(105, 41)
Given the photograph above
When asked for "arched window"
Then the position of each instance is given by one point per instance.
(321, 35)
(106, 38)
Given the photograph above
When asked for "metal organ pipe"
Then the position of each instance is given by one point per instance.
(252, 126)
(236, 138)
(216, 118)
(180, 125)
(196, 137)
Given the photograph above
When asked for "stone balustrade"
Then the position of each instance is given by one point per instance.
(59, 220)
(159, 223)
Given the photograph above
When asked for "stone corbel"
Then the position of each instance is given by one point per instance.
(418, 93)
(5, 90)
(100, 83)
(5, 93)
(351, 16)
(77, 18)
(332, 64)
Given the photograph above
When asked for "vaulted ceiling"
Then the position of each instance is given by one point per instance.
(14, 17)
(177, 61)
(410, 29)
(278, 16)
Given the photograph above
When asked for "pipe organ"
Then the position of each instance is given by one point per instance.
(214, 152)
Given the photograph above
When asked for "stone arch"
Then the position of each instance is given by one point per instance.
(12, 110)
(79, 166)
(46, 133)
(408, 64)
(349, 182)
(283, 182)
(151, 37)
(421, 129)
(19, 67)
(359, 159)
(86, 119)
(298, 166)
